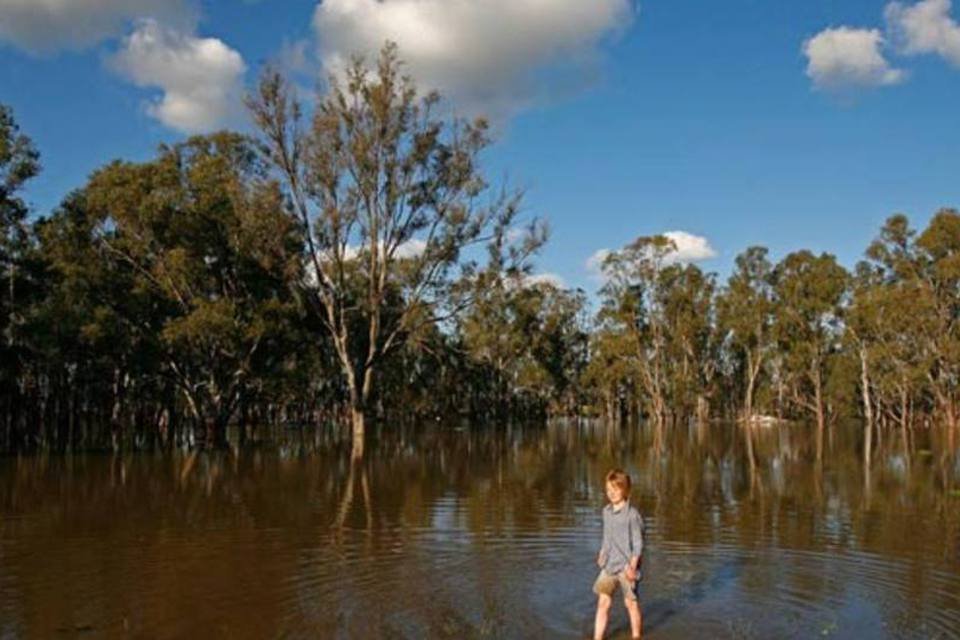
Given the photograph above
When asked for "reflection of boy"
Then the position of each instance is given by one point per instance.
(620, 555)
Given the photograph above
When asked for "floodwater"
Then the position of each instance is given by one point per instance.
(485, 533)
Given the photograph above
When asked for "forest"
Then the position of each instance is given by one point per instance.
(349, 264)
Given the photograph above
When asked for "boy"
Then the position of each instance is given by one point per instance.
(620, 555)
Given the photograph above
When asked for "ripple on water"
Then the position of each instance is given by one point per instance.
(478, 549)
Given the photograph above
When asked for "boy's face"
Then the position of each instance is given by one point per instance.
(614, 493)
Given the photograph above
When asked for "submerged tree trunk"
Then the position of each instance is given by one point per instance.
(753, 370)
(358, 429)
(818, 401)
(703, 409)
(867, 407)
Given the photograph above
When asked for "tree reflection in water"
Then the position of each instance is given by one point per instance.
(486, 532)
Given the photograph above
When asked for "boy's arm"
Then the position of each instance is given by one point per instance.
(604, 545)
(636, 539)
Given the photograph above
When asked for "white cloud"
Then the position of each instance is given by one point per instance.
(843, 58)
(411, 249)
(925, 27)
(44, 26)
(689, 248)
(201, 78)
(595, 262)
(551, 279)
(295, 56)
(488, 56)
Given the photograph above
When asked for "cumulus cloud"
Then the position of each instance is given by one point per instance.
(201, 78)
(595, 262)
(44, 26)
(843, 58)
(925, 27)
(547, 278)
(488, 56)
(409, 249)
(689, 248)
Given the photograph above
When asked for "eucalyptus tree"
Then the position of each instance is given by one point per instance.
(687, 299)
(78, 333)
(862, 320)
(890, 342)
(388, 195)
(939, 250)
(810, 291)
(560, 344)
(745, 312)
(19, 162)
(493, 334)
(910, 318)
(633, 308)
(611, 372)
(203, 238)
(532, 336)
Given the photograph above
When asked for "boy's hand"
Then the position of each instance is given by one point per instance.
(601, 560)
(631, 573)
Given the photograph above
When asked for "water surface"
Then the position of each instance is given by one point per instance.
(485, 533)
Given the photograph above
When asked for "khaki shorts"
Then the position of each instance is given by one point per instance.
(606, 584)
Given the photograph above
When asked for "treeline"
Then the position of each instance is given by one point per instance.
(356, 264)
(799, 339)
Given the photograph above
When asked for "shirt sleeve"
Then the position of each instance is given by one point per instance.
(605, 537)
(636, 533)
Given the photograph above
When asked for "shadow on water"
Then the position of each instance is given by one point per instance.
(485, 533)
(694, 588)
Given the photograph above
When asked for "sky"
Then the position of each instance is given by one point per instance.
(793, 125)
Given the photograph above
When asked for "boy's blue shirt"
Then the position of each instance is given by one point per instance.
(622, 537)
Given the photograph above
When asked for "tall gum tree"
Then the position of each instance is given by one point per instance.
(745, 315)
(19, 162)
(809, 290)
(633, 309)
(939, 247)
(390, 197)
(206, 234)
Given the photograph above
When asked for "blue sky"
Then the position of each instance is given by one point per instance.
(792, 125)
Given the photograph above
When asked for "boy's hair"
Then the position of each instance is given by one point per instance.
(620, 479)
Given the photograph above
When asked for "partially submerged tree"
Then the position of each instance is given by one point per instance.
(19, 162)
(633, 308)
(810, 290)
(532, 338)
(745, 315)
(939, 249)
(205, 242)
(390, 198)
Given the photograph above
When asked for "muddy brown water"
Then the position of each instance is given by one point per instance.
(485, 533)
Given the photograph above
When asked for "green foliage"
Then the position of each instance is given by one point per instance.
(203, 241)
(391, 199)
(358, 263)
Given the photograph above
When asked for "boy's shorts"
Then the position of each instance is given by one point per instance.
(606, 584)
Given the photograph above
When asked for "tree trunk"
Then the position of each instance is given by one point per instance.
(904, 413)
(215, 436)
(703, 409)
(867, 407)
(357, 420)
(753, 370)
(818, 402)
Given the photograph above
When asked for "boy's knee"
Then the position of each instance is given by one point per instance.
(604, 601)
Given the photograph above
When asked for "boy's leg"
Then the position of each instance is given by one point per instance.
(603, 614)
(636, 617)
